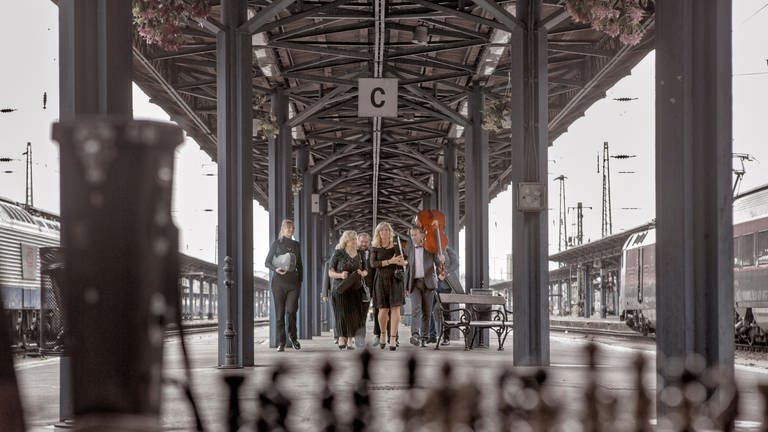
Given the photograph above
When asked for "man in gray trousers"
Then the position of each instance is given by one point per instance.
(421, 283)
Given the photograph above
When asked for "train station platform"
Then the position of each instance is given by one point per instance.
(568, 378)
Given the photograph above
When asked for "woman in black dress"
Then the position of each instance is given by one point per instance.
(347, 266)
(389, 288)
(286, 284)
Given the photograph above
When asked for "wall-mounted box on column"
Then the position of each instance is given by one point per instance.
(531, 197)
(315, 203)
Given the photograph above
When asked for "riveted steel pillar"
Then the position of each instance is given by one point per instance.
(448, 198)
(476, 157)
(303, 212)
(530, 273)
(317, 253)
(694, 232)
(280, 195)
(235, 163)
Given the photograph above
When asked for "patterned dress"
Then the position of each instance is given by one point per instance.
(346, 306)
(387, 291)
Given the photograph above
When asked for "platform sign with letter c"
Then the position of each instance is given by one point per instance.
(377, 97)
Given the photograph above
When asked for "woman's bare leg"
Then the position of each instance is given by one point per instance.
(395, 323)
(383, 317)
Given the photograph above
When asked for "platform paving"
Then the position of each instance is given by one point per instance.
(39, 379)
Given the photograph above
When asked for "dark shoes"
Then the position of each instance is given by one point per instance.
(296, 345)
(423, 343)
(280, 348)
(415, 340)
(432, 339)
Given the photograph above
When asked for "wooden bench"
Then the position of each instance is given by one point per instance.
(466, 319)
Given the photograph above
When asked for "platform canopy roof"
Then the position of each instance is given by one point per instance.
(316, 50)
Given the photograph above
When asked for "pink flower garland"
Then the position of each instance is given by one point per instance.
(620, 18)
(160, 22)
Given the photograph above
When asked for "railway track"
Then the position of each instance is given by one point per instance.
(743, 347)
(209, 327)
(602, 332)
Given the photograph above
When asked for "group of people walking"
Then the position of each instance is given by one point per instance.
(364, 270)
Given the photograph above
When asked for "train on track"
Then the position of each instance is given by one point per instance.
(750, 268)
(23, 232)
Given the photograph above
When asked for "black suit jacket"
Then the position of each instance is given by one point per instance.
(430, 263)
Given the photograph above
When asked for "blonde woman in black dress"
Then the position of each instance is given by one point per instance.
(389, 288)
(347, 263)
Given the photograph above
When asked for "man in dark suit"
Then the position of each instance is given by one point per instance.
(363, 244)
(421, 283)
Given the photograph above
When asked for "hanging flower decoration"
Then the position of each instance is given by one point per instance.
(497, 115)
(297, 181)
(160, 22)
(266, 122)
(613, 17)
(459, 173)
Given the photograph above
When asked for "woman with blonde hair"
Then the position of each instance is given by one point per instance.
(347, 271)
(285, 261)
(389, 292)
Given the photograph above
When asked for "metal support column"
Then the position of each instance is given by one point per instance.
(279, 183)
(302, 212)
(589, 293)
(694, 228)
(95, 72)
(448, 198)
(95, 59)
(210, 299)
(204, 300)
(322, 229)
(235, 163)
(530, 273)
(476, 157)
(603, 305)
(317, 255)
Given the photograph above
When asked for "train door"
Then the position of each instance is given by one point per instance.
(648, 276)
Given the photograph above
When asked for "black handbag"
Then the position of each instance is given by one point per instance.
(352, 281)
(399, 274)
(366, 292)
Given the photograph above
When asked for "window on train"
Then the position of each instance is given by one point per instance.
(744, 250)
(762, 247)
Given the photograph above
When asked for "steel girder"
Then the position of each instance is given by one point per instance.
(316, 51)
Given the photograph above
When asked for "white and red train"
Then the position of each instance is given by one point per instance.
(750, 268)
(23, 231)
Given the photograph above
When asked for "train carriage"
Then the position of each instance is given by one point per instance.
(750, 264)
(638, 281)
(750, 267)
(22, 234)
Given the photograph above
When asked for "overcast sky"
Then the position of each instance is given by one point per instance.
(29, 44)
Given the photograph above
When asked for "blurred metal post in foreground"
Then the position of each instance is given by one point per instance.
(121, 265)
(11, 413)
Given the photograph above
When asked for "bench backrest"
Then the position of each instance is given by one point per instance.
(471, 299)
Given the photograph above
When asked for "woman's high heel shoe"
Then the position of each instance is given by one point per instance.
(342, 347)
(382, 344)
(393, 344)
